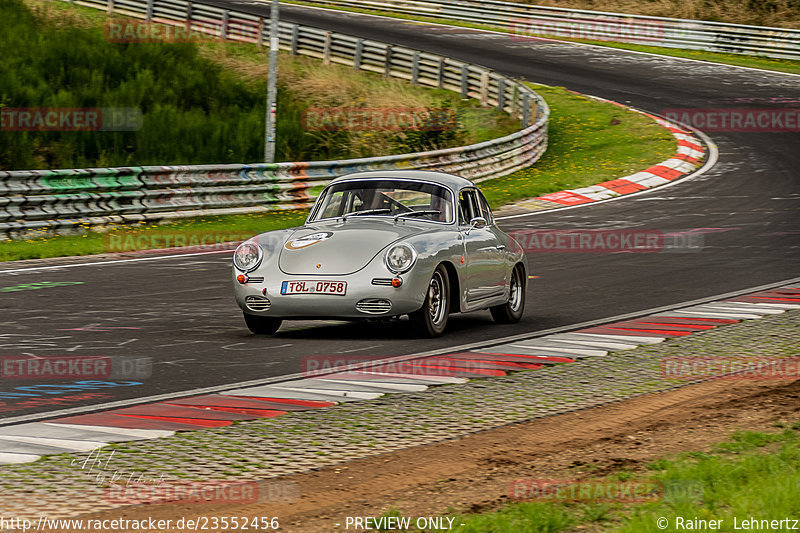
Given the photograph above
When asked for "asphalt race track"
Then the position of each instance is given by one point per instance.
(180, 311)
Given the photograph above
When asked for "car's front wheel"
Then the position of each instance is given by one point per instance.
(431, 319)
(262, 325)
(511, 311)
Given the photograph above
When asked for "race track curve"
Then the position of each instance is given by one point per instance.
(180, 311)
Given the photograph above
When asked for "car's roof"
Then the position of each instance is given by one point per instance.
(448, 180)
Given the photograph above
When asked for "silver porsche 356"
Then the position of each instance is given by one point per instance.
(380, 245)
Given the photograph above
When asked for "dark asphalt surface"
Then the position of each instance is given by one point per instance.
(180, 311)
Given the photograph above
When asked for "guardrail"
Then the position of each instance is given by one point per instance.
(524, 20)
(58, 201)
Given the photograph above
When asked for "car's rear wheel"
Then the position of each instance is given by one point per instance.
(511, 311)
(431, 319)
(262, 325)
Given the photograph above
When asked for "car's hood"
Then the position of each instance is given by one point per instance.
(339, 248)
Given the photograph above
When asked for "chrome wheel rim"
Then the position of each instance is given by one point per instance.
(437, 302)
(515, 298)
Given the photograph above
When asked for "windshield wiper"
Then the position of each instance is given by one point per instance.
(365, 212)
(417, 213)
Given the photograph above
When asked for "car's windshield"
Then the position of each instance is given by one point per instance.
(385, 198)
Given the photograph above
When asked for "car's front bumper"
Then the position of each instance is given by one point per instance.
(362, 299)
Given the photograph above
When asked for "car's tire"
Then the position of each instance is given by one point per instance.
(431, 319)
(262, 325)
(511, 311)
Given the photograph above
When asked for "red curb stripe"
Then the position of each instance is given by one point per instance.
(693, 320)
(622, 186)
(178, 411)
(689, 144)
(665, 172)
(258, 413)
(310, 404)
(689, 158)
(543, 358)
(106, 419)
(189, 421)
(565, 198)
(500, 364)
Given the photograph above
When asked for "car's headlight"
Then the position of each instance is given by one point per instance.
(400, 258)
(247, 256)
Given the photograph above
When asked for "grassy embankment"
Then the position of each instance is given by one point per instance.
(752, 475)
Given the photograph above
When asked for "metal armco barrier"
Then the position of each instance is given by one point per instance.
(524, 20)
(59, 201)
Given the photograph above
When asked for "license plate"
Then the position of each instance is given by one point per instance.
(314, 287)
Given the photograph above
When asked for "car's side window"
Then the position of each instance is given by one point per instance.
(484, 205)
(468, 206)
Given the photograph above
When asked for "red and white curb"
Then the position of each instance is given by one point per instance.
(687, 158)
(85, 432)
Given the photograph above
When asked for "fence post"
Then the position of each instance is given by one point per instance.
(225, 17)
(501, 94)
(358, 53)
(149, 12)
(326, 49)
(464, 81)
(189, 8)
(415, 68)
(295, 37)
(526, 109)
(440, 73)
(260, 36)
(387, 63)
(484, 92)
(110, 7)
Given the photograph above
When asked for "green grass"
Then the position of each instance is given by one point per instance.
(780, 65)
(750, 475)
(201, 103)
(587, 146)
(589, 142)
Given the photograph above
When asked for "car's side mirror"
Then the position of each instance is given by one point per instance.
(476, 223)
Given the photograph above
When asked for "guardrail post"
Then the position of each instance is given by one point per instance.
(415, 68)
(225, 17)
(387, 63)
(526, 110)
(484, 92)
(110, 6)
(440, 73)
(149, 12)
(326, 49)
(295, 37)
(260, 36)
(189, 8)
(464, 81)
(501, 94)
(358, 53)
